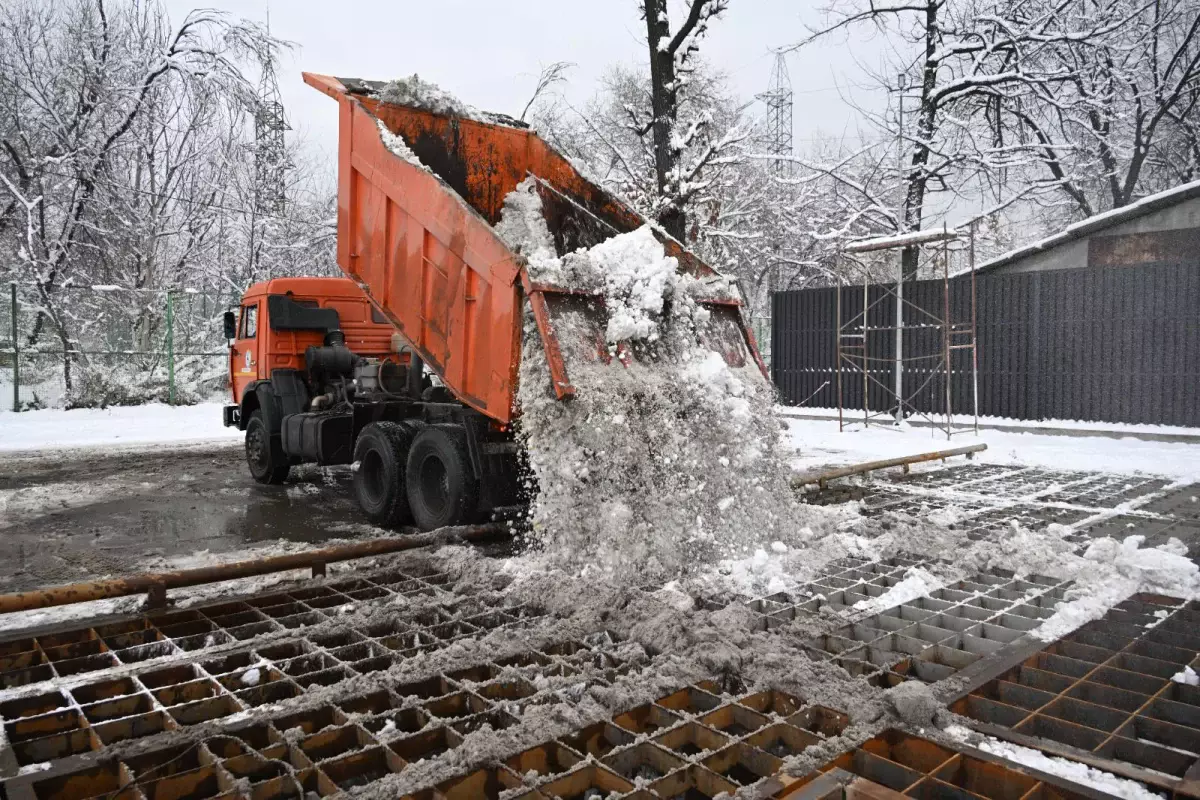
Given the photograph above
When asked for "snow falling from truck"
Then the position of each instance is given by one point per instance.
(658, 467)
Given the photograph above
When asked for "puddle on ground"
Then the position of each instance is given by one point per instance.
(224, 510)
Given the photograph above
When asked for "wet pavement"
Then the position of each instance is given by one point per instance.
(94, 516)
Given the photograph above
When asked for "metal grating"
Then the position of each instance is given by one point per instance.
(917, 767)
(69, 653)
(933, 637)
(926, 639)
(1107, 689)
(692, 738)
(691, 743)
(981, 499)
(116, 732)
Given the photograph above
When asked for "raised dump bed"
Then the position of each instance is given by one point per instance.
(419, 239)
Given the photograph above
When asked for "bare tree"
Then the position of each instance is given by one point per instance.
(1118, 117)
(1028, 100)
(770, 233)
(671, 61)
(124, 162)
(550, 76)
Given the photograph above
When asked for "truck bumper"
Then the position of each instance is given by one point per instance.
(231, 416)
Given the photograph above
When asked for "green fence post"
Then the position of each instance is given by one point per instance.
(16, 351)
(170, 347)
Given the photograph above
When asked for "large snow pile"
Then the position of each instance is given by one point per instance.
(659, 465)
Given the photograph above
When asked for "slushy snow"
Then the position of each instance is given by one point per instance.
(667, 459)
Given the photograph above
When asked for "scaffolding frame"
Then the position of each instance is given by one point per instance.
(853, 355)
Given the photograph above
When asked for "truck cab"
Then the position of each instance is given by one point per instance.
(279, 319)
(320, 375)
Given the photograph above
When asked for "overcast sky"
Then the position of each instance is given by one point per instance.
(489, 52)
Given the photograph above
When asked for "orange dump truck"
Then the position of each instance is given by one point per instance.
(429, 418)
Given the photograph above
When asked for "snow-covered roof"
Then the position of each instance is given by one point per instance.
(1098, 222)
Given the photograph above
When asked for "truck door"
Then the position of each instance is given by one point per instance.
(244, 355)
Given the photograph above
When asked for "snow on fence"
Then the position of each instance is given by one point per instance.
(125, 347)
(1117, 344)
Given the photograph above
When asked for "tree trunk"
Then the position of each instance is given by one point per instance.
(917, 180)
(664, 103)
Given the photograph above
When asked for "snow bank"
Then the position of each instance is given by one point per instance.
(150, 424)
(658, 466)
(818, 443)
(1111, 571)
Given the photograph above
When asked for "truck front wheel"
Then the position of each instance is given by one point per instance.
(442, 488)
(264, 455)
(381, 453)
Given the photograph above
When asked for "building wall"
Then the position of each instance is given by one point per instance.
(1074, 254)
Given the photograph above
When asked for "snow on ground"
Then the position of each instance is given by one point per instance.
(1072, 771)
(818, 443)
(151, 424)
(854, 419)
(1110, 571)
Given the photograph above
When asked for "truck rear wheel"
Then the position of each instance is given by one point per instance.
(381, 453)
(264, 453)
(442, 487)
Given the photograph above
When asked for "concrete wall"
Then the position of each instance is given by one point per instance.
(1074, 254)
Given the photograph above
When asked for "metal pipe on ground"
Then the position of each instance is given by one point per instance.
(157, 584)
(821, 478)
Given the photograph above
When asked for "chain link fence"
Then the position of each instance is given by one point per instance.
(122, 347)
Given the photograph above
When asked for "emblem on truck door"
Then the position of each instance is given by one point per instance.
(249, 362)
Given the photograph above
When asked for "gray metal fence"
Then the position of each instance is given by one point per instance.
(1117, 344)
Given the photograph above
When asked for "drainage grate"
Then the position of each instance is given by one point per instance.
(1181, 503)
(691, 743)
(918, 767)
(692, 739)
(933, 637)
(173, 633)
(926, 639)
(1157, 530)
(84, 732)
(1105, 491)
(1107, 689)
(987, 497)
(348, 740)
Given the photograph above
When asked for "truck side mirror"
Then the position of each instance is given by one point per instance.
(230, 325)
